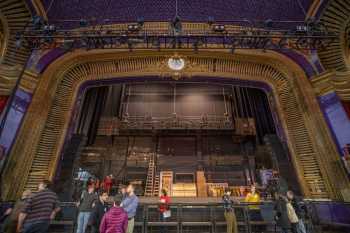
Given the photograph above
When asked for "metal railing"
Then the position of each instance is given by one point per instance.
(209, 217)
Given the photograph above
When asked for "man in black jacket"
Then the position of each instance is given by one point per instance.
(100, 208)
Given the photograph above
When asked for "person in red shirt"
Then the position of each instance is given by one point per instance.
(116, 219)
(164, 208)
(107, 183)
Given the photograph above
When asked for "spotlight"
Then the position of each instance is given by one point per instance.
(83, 23)
(268, 23)
(18, 39)
(301, 29)
(219, 28)
(134, 27)
(52, 28)
(38, 22)
(176, 25)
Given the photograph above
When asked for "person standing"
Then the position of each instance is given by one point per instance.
(130, 204)
(300, 214)
(122, 191)
(98, 212)
(253, 198)
(39, 210)
(164, 208)
(116, 219)
(10, 224)
(107, 183)
(86, 204)
(230, 215)
(281, 215)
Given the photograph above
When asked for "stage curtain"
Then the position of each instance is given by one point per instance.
(3, 101)
(93, 106)
(346, 105)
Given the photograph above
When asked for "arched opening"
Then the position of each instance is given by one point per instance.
(313, 153)
(222, 130)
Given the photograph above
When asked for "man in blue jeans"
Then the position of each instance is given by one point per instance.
(39, 210)
(86, 205)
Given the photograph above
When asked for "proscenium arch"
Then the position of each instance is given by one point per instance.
(314, 154)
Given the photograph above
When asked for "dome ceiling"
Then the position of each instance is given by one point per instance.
(164, 10)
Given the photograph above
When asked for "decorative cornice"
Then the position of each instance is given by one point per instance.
(8, 77)
(333, 81)
(29, 81)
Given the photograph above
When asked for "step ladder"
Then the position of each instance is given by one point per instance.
(150, 177)
(156, 185)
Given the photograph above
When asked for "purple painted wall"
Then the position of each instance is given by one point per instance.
(336, 118)
(13, 122)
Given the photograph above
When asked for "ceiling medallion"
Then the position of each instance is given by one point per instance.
(175, 67)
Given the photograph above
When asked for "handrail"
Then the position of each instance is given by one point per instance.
(147, 215)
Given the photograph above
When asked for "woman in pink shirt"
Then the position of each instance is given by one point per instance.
(115, 220)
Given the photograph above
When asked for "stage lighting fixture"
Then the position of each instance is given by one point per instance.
(38, 22)
(176, 25)
(18, 39)
(219, 28)
(83, 23)
(134, 27)
(268, 23)
(301, 29)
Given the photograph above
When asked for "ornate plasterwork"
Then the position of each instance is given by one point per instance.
(314, 154)
(336, 18)
(333, 81)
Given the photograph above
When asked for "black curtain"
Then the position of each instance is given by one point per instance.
(91, 111)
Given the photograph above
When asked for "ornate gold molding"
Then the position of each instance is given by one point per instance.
(8, 77)
(38, 149)
(4, 33)
(16, 15)
(39, 8)
(336, 18)
(313, 8)
(333, 81)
